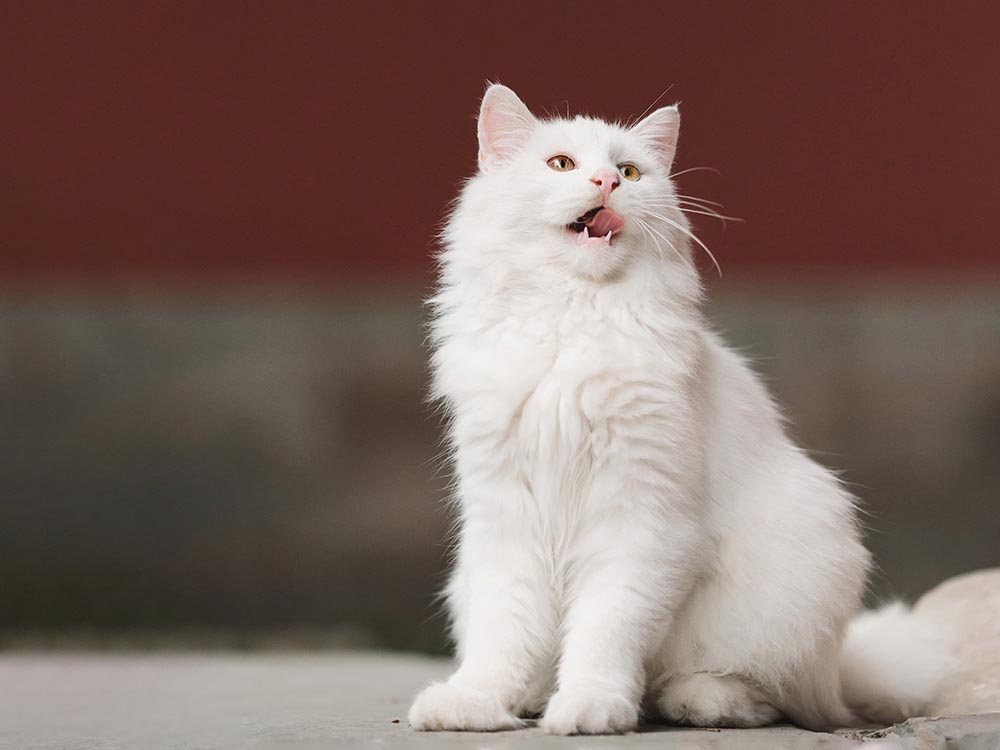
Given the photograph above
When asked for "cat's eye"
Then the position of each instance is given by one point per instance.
(561, 163)
(630, 172)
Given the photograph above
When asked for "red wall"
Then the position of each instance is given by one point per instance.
(324, 139)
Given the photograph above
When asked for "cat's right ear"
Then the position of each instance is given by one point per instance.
(504, 126)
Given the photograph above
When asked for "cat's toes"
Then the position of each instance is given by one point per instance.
(443, 707)
(707, 700)
(589, 711)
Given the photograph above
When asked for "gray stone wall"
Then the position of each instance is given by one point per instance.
(239, 464)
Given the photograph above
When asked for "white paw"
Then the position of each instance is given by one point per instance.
(707, 700)
(589, 711)
(443, 706)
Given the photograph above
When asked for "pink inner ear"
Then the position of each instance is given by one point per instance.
(504, 125)
(661, 128)
(487, 130)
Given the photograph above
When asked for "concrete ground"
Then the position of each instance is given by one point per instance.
(65, 701)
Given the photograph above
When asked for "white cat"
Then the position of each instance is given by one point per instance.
(633, 520)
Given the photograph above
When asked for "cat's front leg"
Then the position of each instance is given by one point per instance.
(505, 620)
(630, 570)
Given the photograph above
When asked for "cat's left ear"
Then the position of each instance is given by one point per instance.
(660, 129)
(504, 126)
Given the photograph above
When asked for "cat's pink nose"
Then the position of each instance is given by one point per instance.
(606, 180)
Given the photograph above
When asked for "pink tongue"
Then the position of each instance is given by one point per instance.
(605, 221)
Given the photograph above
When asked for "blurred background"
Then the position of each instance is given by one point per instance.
(216, 230)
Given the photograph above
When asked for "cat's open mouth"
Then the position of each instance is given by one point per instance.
(597, 227)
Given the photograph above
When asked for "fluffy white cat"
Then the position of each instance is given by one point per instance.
(634, 524)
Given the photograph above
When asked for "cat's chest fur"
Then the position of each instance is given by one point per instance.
(548, 391)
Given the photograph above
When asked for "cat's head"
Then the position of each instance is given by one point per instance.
(581, 196)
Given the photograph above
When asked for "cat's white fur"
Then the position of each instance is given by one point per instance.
(633, 521)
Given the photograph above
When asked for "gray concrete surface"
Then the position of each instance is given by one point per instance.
(327, 700)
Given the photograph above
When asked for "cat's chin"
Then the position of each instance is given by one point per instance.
(595, 258)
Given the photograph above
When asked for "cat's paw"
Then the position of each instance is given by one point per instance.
(707, 700)
(446, 707)
(589, 711)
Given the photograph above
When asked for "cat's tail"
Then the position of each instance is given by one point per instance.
(892, 664)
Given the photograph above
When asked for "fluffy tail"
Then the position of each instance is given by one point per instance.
(892, 664)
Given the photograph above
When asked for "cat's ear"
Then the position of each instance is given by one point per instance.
(660, 129)
(504, 126)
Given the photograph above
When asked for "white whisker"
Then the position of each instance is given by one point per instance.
(651, 230)
(683, 230)
(690, 207)
(629, 123)
(691, 199)
(645, 231)
(695, 169)
(699, 200)
(713, 214)
(688, 233)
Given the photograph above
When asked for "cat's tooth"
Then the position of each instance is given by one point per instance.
(586, 233)
(607, 237)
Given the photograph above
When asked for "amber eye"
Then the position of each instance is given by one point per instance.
(630, 172)
(561, 163)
